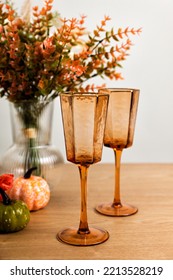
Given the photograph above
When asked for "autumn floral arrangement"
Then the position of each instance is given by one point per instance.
(43, 54)
(38, 60)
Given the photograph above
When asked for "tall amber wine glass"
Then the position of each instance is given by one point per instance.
(84, 118)
(119, 133)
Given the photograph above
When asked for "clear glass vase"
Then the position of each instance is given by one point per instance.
(31, 123)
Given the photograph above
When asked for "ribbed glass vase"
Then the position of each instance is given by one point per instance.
(31, 123)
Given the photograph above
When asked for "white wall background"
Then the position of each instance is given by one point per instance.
(149, 68)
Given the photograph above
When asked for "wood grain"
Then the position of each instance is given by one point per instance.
(145, 235)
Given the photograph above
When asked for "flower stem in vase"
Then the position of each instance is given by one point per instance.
(30, 119)
(32, 157)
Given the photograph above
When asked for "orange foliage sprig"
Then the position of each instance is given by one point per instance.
(38, 61)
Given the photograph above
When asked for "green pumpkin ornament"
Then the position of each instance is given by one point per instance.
(14, 214)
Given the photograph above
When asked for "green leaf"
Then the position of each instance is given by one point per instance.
(115, 38)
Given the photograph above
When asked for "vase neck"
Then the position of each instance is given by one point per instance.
(31, 121)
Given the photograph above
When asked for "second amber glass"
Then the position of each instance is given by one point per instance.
(84, 117)
(119, 133)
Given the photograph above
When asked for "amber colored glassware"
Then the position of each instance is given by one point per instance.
(119, 133)
(84, 118)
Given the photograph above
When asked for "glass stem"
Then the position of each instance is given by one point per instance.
(117, 200)
(83, 226)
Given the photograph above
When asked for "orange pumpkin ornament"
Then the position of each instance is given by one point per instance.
(33, 190)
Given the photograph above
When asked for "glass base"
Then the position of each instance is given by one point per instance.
(72, 237)
(121, 210)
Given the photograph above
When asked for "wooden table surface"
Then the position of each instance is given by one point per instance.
(145, 235)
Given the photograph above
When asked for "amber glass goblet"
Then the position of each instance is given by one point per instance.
(84, 118)
(119, 133)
